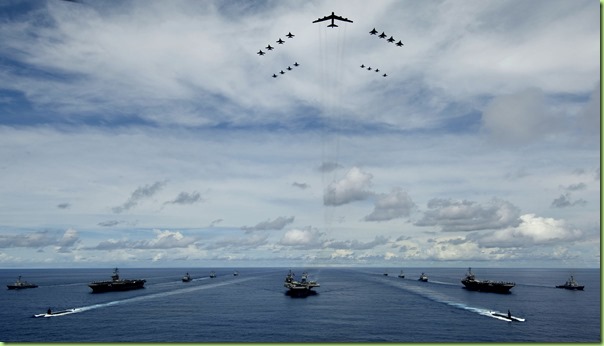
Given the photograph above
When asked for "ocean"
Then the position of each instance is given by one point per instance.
(352, 305)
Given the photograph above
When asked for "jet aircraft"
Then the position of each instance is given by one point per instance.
(373, 32)
(369, 68)
(385, 75)
(290, 35)
(280, 41)
(333, 17)
(296, 64)
(260, 52)
(377, 70)
(391, 39)
(274, 75)
(282, 72)
(269, 47)
(289, 68)
(383, 35)
(399, 43)
(362, 65)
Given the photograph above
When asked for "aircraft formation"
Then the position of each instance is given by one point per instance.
(279, 41)
(383, 35)
(370, 69)
(332, 17)
(289, 68)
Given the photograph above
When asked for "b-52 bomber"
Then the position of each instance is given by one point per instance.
(333, 17)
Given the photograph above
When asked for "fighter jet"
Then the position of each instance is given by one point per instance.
(385, 75)
(289, 68)
(383, 35)
(400, 44)
(373, 32)
(377, 70)
(296, 64)
(280, 41)
(333, 17)
(290, 35)
(362, 65)
(269, 47)
(369, 68)
(260, 52)
(391, 39)
(282, 72)
(274, 75)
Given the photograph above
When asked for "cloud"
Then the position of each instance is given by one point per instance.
(565, 201)
(357, 245)
(518, 118)
(327, 167)
(353, 187)
(277, 224)
(138, 195)
(63, 205)
(302, 186)
(163, 240)
(575, 187)
(215, 222)
(302, 239)
(455, 215)
(532, 230)
(40, 239)
(390, 206)
(250, 241)
(186, 198)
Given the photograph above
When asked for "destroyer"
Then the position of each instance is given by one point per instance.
(116, 284)
(304, 286)
(486, 285)
(21, 284)
(571, 284)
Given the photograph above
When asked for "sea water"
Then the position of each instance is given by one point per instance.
(351, 305)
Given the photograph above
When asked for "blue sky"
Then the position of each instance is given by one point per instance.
(150, 133)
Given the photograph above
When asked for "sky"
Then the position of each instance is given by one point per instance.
(152, 134)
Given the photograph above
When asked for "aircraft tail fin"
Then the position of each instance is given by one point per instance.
(332, 26)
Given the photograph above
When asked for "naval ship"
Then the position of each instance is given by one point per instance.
(116, 284)
(302, 287)
(486, 285)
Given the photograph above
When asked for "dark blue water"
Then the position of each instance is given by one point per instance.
(352, 305)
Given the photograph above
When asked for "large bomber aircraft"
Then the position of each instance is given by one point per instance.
(333, 17)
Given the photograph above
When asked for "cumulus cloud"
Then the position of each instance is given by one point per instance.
(390, 206)
(353, 187)
(532, 230)
(302, 238)
(276, 224)
(455, 215)
(138, 195)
